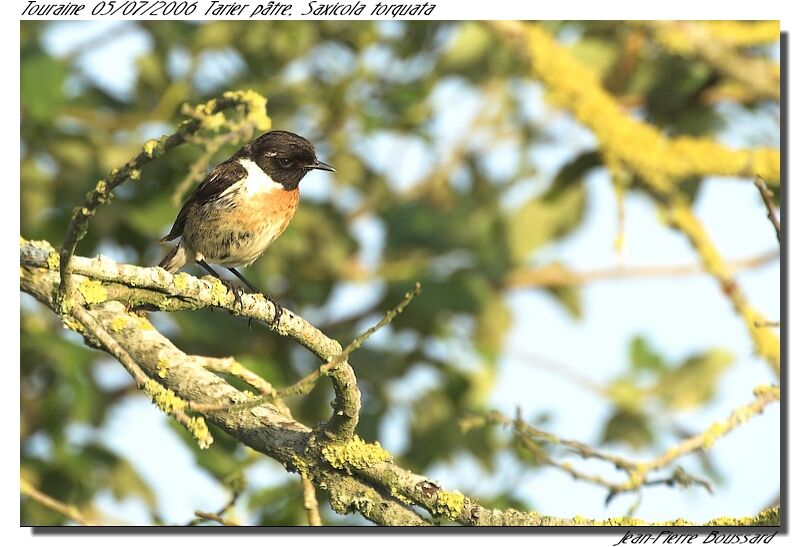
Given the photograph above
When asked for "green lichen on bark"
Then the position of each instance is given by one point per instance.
(448, 505)
(152, 146)
(354, 453)
(53, 261)
(767, 517)
(161, 367)
(219, 292)
(199, 430)
(92, 291)
(118, 324)
(163, 398)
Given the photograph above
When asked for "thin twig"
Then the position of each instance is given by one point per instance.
(767, 196)
(307, 383)
(216, 518)
(68, 511)
(637, 471)
(310, 503)
(559, 276)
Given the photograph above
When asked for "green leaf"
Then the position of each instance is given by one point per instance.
(643, 356)
(471, 43)
(627, 394)
(543, 219)
(494, 321)
(569, 298)
(41, 87)
(694, 382)
(630, 428)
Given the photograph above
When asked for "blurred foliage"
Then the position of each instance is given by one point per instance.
(652, 388)
(376, 98)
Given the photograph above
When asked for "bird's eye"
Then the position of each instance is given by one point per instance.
(284, 162)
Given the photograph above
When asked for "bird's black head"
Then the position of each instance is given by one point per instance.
(284, 156)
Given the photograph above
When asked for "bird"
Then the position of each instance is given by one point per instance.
(241, 207)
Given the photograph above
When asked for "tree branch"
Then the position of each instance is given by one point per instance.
(310, 503)
(263, 428)
(767, 196)
(658, 160)
(638, 471)
(67, 511)
(555, 275)
(358, 476)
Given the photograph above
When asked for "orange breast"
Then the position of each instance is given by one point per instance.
(276, 208)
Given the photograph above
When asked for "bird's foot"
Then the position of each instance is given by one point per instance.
(278, 311)
(237, 291)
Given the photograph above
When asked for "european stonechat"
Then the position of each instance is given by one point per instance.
(242, 206)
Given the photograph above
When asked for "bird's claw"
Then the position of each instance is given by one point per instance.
(278, 311)
(237, 291)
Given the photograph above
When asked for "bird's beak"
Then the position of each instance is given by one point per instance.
(322, 166)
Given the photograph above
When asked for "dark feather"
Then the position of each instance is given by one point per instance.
(216, 182)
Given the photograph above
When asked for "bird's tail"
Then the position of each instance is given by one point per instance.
(175, 259)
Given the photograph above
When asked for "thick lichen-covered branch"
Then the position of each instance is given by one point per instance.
(207, 116)
(759, 76)
(103, 279)
(357, 475)
(264, 428)
(660, 162)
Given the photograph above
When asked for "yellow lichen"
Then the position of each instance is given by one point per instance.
(714, 432)
(766, 389)
(135, 174)
(71, 324)
(163, 398)
(143, 324)
(181, 281)
(659, 160)
(741, 33)
(354, 453)
(766, 343)
(161, 367)
(256, 106)
(53, 261)
(92, 291)
(214, 121)
(117, 324)
(448, 504)
(151, 146)
(219, 292)
(199, 430)
(166, 400)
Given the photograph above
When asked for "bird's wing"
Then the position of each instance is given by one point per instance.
(217, 183)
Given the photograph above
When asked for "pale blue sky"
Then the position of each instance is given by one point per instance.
(596, 346)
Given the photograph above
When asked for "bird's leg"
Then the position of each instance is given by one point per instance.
(237, 291)
(278, 308)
